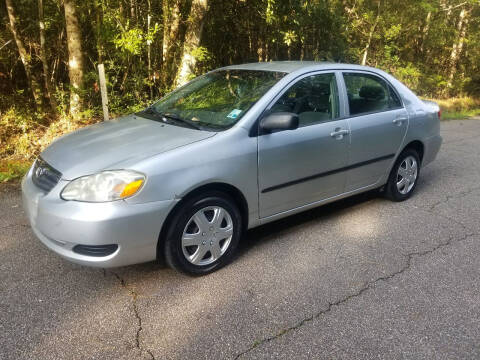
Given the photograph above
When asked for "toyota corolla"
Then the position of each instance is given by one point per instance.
(235, 148)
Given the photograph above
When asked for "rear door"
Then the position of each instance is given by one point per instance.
(299, 167)
(378, 124)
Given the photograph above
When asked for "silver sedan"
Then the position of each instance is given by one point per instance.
(235, 148)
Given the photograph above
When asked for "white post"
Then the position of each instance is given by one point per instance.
(103, 90)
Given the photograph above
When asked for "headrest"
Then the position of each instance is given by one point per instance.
(372, 92)
(321, 89)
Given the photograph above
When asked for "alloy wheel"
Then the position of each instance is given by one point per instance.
(407, 175)
(207, 235)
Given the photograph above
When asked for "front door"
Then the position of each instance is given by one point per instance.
(299, 167)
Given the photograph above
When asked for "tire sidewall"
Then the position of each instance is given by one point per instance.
(173, 244)
(392, 191)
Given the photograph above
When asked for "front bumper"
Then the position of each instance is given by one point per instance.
(61, 225)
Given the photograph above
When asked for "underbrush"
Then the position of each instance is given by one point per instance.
(459, 108)
(11, 170)
(24, 134)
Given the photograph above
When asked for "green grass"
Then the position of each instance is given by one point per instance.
(465, 114)
(11, 171)
(459, 108)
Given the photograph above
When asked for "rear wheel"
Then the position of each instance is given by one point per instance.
(404, 176)
(204, 234)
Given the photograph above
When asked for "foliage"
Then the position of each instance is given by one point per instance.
(459, 108)
(414, 40)
(24, 134)
(456, 115)
(433, 46)
(13, 170)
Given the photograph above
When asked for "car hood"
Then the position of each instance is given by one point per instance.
(106, 145)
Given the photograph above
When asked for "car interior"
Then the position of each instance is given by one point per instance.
(368, 94)
(369, 98)
(314, 99)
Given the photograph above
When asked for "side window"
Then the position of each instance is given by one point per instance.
(368, 93)
(313, 98)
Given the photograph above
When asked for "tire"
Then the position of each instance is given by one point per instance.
(409, 174)
(211, 224)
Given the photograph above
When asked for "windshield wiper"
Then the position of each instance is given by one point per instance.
(177, 118)
(151, 110)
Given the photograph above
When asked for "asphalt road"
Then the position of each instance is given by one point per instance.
(361, 278)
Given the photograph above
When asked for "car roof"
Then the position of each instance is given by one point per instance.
(291, 66)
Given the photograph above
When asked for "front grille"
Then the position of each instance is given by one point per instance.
(45, 176)
(95, 250)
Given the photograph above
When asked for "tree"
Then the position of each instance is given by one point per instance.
(43, 57)
(457, 48)
(192, 40)
(149, 46)
(370, 36)
(24, 56)
(98, 29)
(75, 56)
(171, 38)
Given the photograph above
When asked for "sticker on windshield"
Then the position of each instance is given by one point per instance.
(234, 113)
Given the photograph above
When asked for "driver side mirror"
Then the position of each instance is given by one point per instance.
(279, 121)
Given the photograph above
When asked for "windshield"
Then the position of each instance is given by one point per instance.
(218, 99)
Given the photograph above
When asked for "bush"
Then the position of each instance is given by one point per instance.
(459, 104)
(24, 134)
(459, 108)
(13, 170)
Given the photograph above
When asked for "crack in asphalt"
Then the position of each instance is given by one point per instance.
(449, 197)
(408, 263)
(134, 296)
(13, 225)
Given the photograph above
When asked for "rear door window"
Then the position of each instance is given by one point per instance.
(369, 93)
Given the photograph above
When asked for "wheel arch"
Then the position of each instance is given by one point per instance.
(233, 192)
(418, 146)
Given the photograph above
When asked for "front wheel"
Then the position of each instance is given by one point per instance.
(204, 234)
(404, 176)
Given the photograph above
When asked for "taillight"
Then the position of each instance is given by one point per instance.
(439, 114)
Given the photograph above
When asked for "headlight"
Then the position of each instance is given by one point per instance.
(104, 186)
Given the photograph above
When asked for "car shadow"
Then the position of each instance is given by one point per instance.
(268, 232)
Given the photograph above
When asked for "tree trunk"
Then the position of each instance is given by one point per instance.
(98, 30)
(370, 36)
(132, 11)
(425, 30)
(458, 45)
(192, 40)
(24, 56)
(43, 56)
(75, 56)
(171, 33)
(260, 49)
(149, 49)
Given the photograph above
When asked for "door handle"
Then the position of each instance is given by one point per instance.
(338, 133)
(400, 120)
